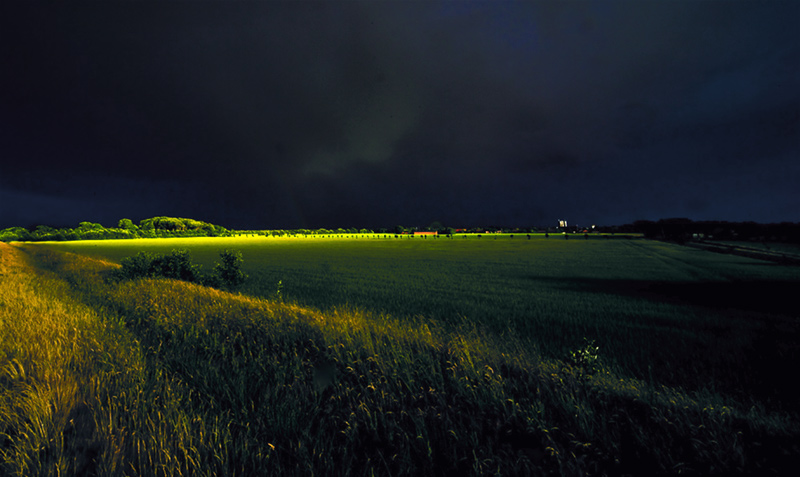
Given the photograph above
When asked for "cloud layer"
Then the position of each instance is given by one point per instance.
(372, 114)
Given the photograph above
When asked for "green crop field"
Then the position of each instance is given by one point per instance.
(658, 311)
(375, 355)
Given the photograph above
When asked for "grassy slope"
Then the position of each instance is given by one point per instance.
(168, 378)
(60, 362)
(659, 312)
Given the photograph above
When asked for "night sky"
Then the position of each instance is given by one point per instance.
(349, 114)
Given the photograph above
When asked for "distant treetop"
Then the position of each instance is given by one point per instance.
(147, 228)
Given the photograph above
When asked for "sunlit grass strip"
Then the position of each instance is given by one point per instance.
(76, 396)
(53, 352)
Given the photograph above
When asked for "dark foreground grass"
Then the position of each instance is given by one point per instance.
(169, 378)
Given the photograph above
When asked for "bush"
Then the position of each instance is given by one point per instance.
(229, 272)
(140, 265)
(178, 265)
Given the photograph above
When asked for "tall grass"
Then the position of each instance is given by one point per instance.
(161, 377)
(57, 359)
(660, 312)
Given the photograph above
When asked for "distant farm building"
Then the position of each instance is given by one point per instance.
(426, 233)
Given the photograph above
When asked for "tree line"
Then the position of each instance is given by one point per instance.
(154, 227)
(675, 229)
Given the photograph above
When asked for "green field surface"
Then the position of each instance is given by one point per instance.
(660, 312)
(384, 356)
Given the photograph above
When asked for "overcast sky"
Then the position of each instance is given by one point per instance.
(349, 114)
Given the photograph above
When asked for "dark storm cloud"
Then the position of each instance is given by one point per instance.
(305, 114)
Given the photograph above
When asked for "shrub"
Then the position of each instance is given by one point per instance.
(178, 265)
(229, 272)
(140, 265)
